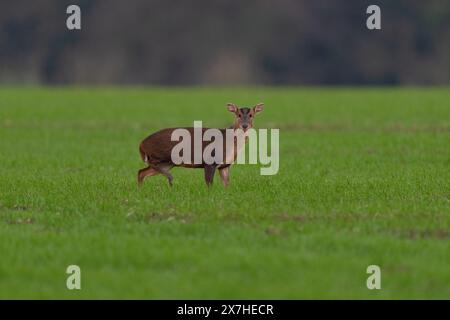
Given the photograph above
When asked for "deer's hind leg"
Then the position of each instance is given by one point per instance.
(164, 169)
(146, 172)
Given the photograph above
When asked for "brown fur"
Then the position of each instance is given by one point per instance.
(156, 149)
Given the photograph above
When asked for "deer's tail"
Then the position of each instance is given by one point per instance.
(144, 156)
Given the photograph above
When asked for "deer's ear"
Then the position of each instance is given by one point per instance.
(232, 107)
(258, 108)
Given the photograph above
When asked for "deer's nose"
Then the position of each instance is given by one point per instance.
(245, 126)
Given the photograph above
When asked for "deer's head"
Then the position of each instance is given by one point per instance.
(244, 116)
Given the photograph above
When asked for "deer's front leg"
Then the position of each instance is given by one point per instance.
(209, 174)
(225, 175)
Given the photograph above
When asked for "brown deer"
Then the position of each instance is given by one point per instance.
(156, 149)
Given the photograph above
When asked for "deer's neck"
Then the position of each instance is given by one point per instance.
(232, 150)
(241, 134)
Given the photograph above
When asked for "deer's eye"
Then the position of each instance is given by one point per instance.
(240, 116)
(250, 116)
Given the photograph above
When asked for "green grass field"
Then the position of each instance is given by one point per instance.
(364, 179)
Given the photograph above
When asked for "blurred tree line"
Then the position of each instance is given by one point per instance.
(178, 42)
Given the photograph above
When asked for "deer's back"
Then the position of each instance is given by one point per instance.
(158, 146)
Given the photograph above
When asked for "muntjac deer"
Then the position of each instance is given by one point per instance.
(156, 149)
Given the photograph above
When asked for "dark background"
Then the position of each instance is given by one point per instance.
(219, 42)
